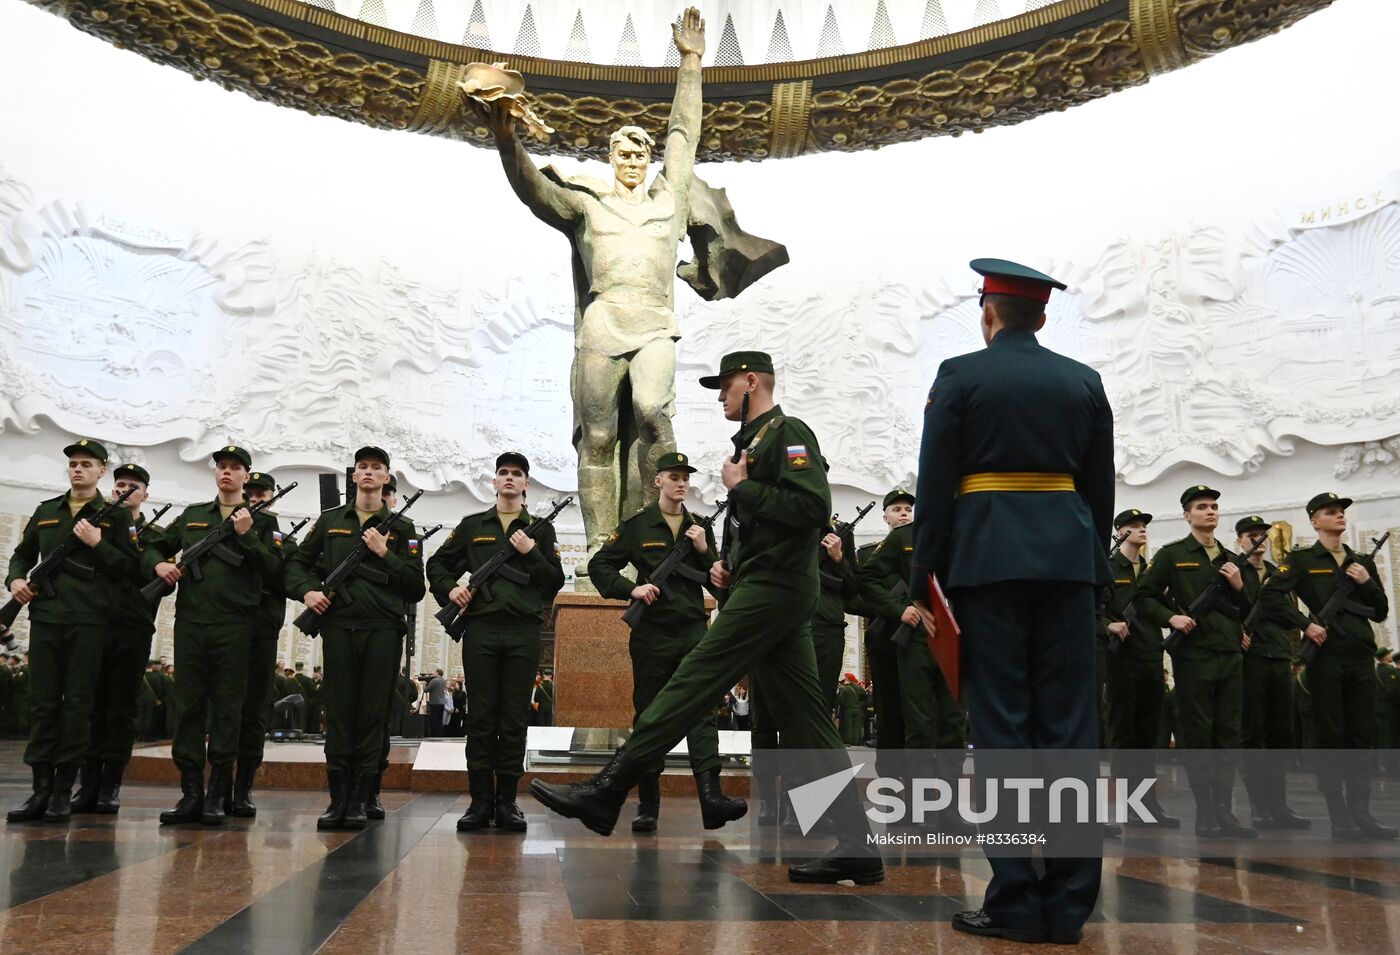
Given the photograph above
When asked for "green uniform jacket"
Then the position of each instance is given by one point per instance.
(887, 567)
(644, 540)
(380, 590)
(840, 583)
(1174, 578)
(226, 592)
(785, 505)
(855, 602)
(135, 614)
(471, 544)
(1269, 641)
(68, 598)
(1312, 573)
(1144, 640)
(272, 606)
(851, 699)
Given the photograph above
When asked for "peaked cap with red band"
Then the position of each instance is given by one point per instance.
(1001, 277)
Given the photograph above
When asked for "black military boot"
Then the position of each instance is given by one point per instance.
(374, 809)
(1225, 816)
(109, 789)
(1154, 806)
(594, 802)
(242, 805)
(716, 808)
(851, 860)
(478, 815)
(1285, 817)
(191, 804)
(88, 782)
(60, 808)
(355, 817)
(648, 803)
(1359, 802)
(767, 787)
(1343, 822)
(1207, 825)
(38, 800)
(338, 781)
(508, 814)
(220, 788)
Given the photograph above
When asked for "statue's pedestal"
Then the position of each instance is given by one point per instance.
(592, 669)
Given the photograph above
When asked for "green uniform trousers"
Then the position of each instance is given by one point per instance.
(889, 712)
(116, 697)
(499, 660)
(211, 662)
(933, 720)
(852, 725)
(1135, 693)
(360, 669)
(763, 631)
(830, 646)
(1267, 724)
(1209, 713)
(655, 655)
(257, 700)
(64, 662)
(1343, 700)
(1101, 656)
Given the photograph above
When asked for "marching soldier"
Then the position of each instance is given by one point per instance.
(262, 654)
(1341, 679)
(1268, 697)
(885, 692)
(779, 493)
(1015, 499)
(501, 649)
(117, 705)
(1207, 665)
(671, 626)
(933, 720)
(215, 619)
(363, 630)
(1134, 666)
(68, 618)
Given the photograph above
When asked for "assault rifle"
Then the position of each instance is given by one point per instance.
(140, 531)
(1129, 612)
(452, 617)
(672, 563)
(843, 530)
(1339, 601)
(291, 535)
(412, 615)
(309, 621)
(1207, 599)
(58, 560)
(215, 543)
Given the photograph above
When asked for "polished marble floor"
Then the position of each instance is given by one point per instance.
(412, 885)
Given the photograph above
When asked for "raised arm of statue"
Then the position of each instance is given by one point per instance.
(683, 128)
(550, 202)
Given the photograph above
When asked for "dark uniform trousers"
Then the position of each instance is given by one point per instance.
(655, 655)
(1343, 687)
(257, 697)
(213, 677)
(933, 720)
(499, 659)
(1268, 722)
(1135, 695)
(889, 707)
(360, 669)
(116, 695)
(830, 645)
(1028, 650)
(64, 663)
(1209, 700)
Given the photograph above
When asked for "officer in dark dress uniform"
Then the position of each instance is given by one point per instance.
(1015, 499)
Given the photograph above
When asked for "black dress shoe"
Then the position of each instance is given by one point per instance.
(836, 867)
(980, 923)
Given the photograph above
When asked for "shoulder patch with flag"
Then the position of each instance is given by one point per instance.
(413, 547)
(276, 538)
(797, 456)
(131, 532)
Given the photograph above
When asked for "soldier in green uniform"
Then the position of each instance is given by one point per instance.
(885, 690)
(125, 652)
(1208, 664)
(1342, 676)
(307, 687)
(68, 618)
(544, 700)
(840, 583)
(1134, 666)
(1387, 689)
(262, 654)
(671, 626)
(215, 620)
(501, 649)
(933, 720)
(779, 496)
(850, 702)
(1268, 722)
(362, 636)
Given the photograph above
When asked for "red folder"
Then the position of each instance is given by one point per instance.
(945, 641)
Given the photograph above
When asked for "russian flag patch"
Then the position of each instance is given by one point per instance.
(797, 456)
(412, 547)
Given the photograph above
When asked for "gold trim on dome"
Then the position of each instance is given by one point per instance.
(442, 99)
(791, 104)
(1158, 38)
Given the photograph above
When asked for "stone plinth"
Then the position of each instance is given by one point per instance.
(592, 670)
